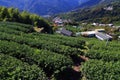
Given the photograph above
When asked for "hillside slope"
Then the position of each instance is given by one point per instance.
(42, 7)
(99, 13)
(35, 56)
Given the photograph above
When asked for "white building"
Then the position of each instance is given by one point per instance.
(102, 24)
(88, 33)
(110, 8)
(95, 24)
(110, 25)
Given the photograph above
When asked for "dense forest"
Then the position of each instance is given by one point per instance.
(14, 15)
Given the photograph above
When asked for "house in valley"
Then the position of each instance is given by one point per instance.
(102, 25)
(110, 25)
(58, 21)
(66, 32)
(95, 24)
(109, 8)
(98, 33)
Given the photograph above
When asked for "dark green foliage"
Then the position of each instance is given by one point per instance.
(14, 69)
(52, 56)
(100, 70)
(49, 61)
(68, 74)
(69, 41)
(41, 44)
(13, 15)
(99, 50)
(21, 30)
(104, 60)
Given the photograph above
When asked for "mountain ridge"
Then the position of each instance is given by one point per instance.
(45, 7)
(105, 12)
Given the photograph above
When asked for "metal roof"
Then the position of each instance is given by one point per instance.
(66, 32)
(103, 36)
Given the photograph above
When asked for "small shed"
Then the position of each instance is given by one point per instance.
(103, 36)
(66, 32)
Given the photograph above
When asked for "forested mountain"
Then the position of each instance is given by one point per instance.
(45, 7)
(89, 3)
(105, 12)
(42, 6)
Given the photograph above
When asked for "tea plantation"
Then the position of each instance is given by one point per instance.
(26, 55)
